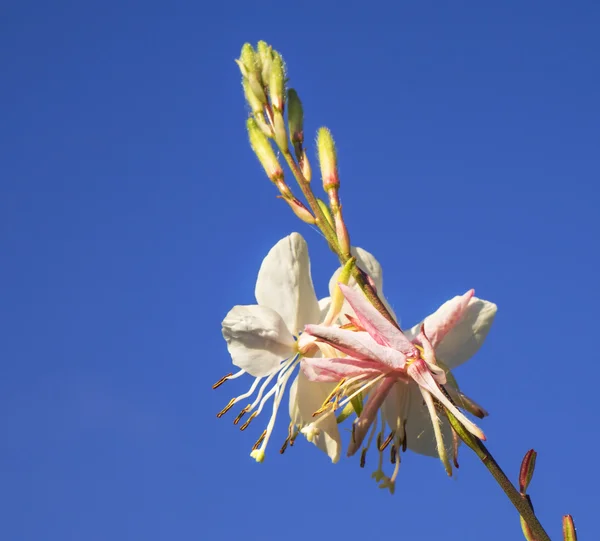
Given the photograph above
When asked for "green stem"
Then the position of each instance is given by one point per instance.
(521, 504)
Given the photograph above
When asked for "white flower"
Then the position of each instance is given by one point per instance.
(263, 342)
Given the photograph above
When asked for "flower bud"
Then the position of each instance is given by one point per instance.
(277, 82)
(264, 151)
(327, 159)
(342, 232)
(255, 105)
(305, 166)
(280, 134)
(527, 468)
(569, 531)
(301, 211)
(526, 531)
(265, 54)
(295, 121)
(250, 68)
(337, 297)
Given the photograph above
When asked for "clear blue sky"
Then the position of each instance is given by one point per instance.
(133, 216)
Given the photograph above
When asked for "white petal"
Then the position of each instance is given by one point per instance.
(324, 305)
(367, 262)
(284, 283)
(257, 339)
(463, 341)
(420, 436)
(466, 337)
(306, 397)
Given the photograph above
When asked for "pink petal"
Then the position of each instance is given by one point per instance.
(361, 426)
(324, 369)
(382, 331)
(446, 317)
(359, 345)
(420, 373)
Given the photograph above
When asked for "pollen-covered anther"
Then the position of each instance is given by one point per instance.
(387, 441)
(393, 453)
(259, 440)
(241, 414)
(327, 403)
(222, 380)
(245, 425)
(226, 408)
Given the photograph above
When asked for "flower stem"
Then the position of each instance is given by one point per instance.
(521, 504)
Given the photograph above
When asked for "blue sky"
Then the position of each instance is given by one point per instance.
(133, 216)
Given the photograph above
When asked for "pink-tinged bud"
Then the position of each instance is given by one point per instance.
(569, 531)
(527, 468)
(264, 151)
(280, 133)
(305, 166)
(295, 122)
(327, 159)
(342, 233)
(301, 211)
(277, 82)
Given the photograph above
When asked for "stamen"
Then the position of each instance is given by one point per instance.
(226, 408)
(387, 441)
(245, 425)
(455, 448)
(241, 414)
(222, 380)
(362, 389)
(259, 440)
(363, 457)
(326, 403)
(393, 454)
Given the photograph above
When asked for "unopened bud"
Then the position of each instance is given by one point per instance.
(265, 53)
(277, 82)
(527, 468)
(342, 232)
(255, 105)
(264, 151)
(250, 68)
(280, 134)
(295, 121)
(337, 297)
(325, 210)
(527, 534)
(327, 159)
(569, 531)
(305, 166)
(301, 211)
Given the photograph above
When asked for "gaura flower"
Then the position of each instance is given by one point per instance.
(389, 367)
(262, 340)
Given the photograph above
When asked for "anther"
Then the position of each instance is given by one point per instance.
(245, 425)
(379, 441)
(387, 441)
(393, 452)
(259, 440)
(222, 380)
(241, 414)
(363, 458)
(226, 408)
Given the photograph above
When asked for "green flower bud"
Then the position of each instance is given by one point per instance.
(295, 121)
(277, 82)
(569, 532)
(280, 134)
(327, 159)
(265, 52)
(264, 151)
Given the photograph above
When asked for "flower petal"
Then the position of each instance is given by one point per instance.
(382, 331)
(466, 337)
(306, 397)
(323, 369)
(257, 339)
(420, 373)
(358, 344)
(285, 285)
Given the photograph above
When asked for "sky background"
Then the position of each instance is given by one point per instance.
(133, 216)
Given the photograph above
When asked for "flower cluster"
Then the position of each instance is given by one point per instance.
(351, 359)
